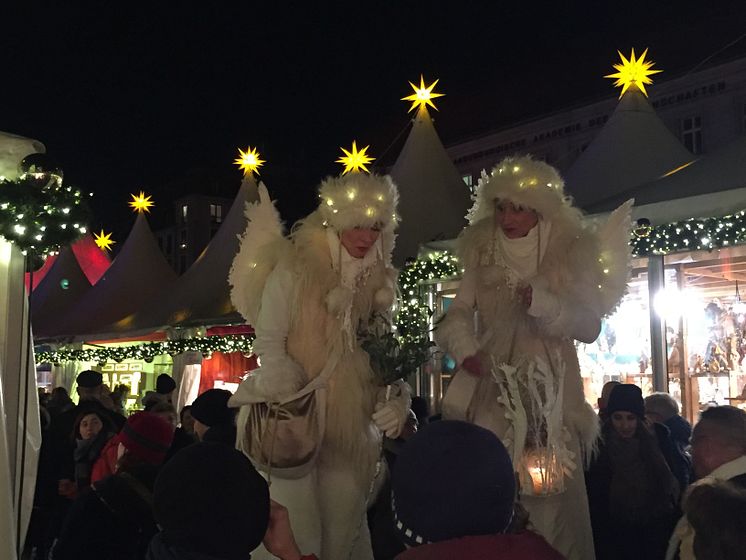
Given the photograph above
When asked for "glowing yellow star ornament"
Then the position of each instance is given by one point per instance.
(633, 72)
(103, 240)
(141, 203)
(422, 95)
(249, 161)
(354, 160)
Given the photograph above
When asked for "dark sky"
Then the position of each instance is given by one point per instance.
(158, 95)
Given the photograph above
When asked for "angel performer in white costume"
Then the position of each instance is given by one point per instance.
(539, 279)
(310, 297)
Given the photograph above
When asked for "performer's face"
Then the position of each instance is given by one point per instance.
(358, 241)
(515, 221)
(625, 423)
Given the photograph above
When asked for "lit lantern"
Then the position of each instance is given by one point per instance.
(541, 472)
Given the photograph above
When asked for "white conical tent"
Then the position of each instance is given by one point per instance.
(201, 295)
(433, 199)
(138, 273)
(63, 286)
(722, 170)
(710, 186)
(632, 148)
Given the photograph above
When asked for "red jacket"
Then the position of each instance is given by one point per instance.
(107, 461)
(520, 546)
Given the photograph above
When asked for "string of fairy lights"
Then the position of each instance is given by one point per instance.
(39, 214)
(694, 234)
(206, 345)
(414, 314)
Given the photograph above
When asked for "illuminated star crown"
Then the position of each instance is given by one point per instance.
(525, 182)
(358, 200)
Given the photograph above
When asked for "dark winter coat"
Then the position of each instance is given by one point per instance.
(114, 520)
(521, 546)
(632, 496)
(225, 433)
(676, 457)
(161, 551)
(181, 440)
(62, 437)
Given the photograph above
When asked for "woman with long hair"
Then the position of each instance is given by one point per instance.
(632, 492)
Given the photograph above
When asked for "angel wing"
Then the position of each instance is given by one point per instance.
(614, 257)
(259, 251)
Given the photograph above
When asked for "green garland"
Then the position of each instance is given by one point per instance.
(413, 318)
(412, 322)
(148, 351)
(39, 215)
(695, 234)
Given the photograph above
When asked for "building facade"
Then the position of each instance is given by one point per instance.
(705, 109)
(196, 220)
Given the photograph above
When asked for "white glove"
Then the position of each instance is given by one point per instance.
(390, 416)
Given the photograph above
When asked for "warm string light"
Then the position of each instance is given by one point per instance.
(695, 234)
(41, 216)
(413, 318)
(148, 351)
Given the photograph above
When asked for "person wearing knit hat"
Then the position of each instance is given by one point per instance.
(164, 388)
(115, 518)
(632, 491)
(453, 496)
(312, 297)
(539, 278)
(213, 420)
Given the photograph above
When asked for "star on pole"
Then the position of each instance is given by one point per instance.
(141, 203)
(633, 72)
(422, 95)
(249, 161)
(355, 160)
(103, 240)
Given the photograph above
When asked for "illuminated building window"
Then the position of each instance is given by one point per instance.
(691, 134)
(216, 213)
(184, 212)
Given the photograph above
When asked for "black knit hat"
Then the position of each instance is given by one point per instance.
(210, 499)
(89, 379)
(164, 384)
(626, 397)
(211, 408)
(452, 479)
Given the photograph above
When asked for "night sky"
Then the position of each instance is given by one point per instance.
(158, 95)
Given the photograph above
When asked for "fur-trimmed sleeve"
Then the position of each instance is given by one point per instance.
(570, 280)
(279, 375)
(454, 332)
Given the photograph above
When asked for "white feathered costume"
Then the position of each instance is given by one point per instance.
(531, 392)
(307, 299)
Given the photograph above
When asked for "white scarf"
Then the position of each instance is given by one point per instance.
(522, 256)
(352, 272)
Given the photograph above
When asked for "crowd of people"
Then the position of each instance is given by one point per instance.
(322, 451)
(136, 489)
